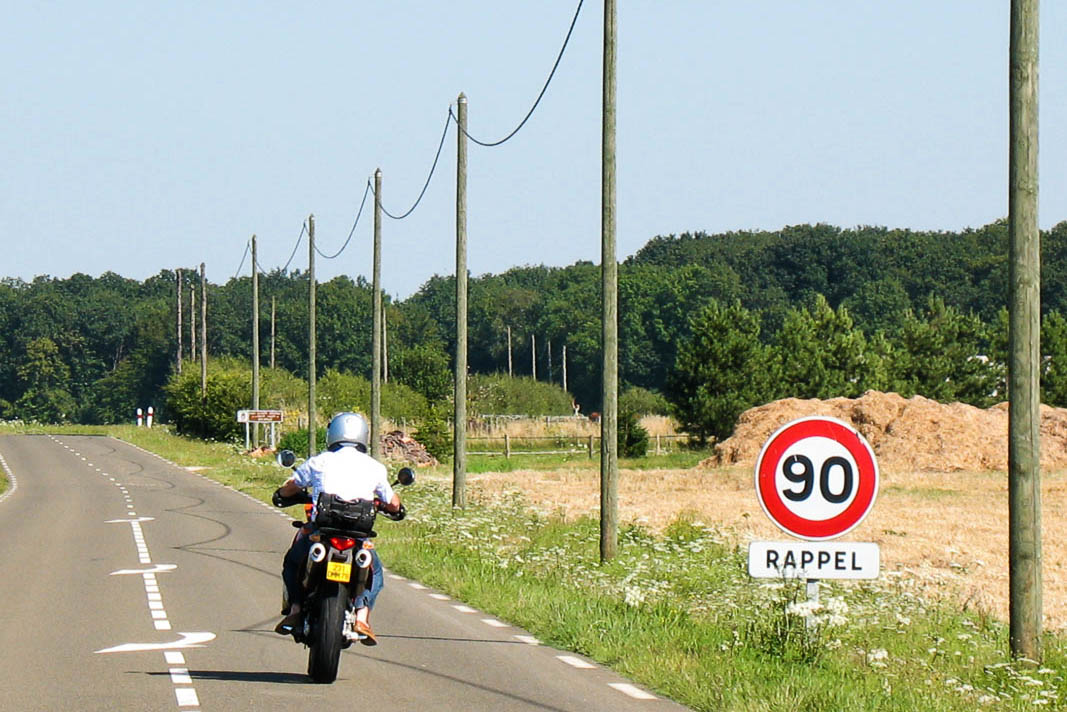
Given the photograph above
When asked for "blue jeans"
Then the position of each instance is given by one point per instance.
(294, 564)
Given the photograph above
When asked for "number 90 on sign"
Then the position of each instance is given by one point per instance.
(819, 482)
(816, 478)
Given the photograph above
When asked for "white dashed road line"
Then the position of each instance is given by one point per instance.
(184, 694)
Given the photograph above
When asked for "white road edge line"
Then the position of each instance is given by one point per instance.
(632, 690)
(575, 662)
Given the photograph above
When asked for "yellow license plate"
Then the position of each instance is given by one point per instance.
(338, 571)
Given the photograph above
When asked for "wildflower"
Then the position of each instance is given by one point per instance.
(634, 596)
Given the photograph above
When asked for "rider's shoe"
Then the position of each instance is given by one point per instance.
(366, 634)
(288, 624)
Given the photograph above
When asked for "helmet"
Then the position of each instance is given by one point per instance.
(347, 429)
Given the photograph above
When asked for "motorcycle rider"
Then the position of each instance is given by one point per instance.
(346, 470)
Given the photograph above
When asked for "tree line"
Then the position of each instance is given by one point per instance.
(740, 317)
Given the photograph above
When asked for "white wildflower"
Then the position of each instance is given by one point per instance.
(634, 596)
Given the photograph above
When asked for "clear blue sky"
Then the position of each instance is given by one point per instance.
(145, 136)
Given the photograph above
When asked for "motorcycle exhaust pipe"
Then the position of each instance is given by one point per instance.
(363, 559)
(317, 553)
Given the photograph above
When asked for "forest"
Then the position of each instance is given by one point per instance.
(709, 325)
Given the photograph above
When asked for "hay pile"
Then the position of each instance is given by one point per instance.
(907, 434)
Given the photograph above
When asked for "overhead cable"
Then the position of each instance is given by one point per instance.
(248, 245)
(350, 232)
(490, 144)
(432, 169)
(298, 239)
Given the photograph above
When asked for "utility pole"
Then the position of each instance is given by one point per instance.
(376, 323)
(609, 425)
(178, 278)
(203, 331)
(550, 360)
(385, 347)
(459, 439)
(312, 430)
(1024, 414)
(192, 320)
(533, 356)
(272, 316)
(564, 366)
(509, 352)
(255, 341)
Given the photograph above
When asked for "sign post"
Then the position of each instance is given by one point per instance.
(816, 479)
(273, 417)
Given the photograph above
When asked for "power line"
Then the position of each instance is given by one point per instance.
(432, 169)
(303, 230)
(248, 246)
(350, 232)
(490, 144)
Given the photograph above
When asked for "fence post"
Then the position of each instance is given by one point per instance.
(507, 446)
(657, 444)
(590, 447)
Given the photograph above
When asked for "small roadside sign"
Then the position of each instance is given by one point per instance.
(272, 417)
(816, 478)
(259, 416)
(813, 560)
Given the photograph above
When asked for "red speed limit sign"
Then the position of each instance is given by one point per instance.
(816, 478)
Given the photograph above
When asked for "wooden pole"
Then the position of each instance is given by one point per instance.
(312, 427)
(509, 352)
(609, 460)
(459, 438)
(564, 366)
(192, 321)
(533, 355)
(255, 341)
(1024, 415)
(203, 331)
(178, 278)
(272, 319)
(376, 322)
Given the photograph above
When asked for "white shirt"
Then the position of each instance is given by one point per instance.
(345, 472)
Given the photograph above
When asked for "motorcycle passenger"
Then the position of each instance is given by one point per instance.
(346, 470)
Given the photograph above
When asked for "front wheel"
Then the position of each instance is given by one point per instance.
(327, 634)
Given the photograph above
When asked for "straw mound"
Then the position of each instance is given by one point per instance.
(907, 434)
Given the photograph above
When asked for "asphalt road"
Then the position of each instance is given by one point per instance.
(128, 583)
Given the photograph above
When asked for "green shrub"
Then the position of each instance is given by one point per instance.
(338, 392)
(499, 395)
(642, 401)
(297, 441)
(435, 435)
(212, 414)
(633, 438)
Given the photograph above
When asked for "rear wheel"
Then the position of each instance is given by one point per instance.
(327, 635)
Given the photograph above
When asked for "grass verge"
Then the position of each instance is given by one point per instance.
(679, 614)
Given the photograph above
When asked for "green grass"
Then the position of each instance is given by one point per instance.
(680, 459)
(678, 613)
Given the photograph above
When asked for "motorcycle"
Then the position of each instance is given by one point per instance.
(337, 572)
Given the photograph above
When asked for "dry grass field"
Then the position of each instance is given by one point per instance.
(941, 516)
(948, 531)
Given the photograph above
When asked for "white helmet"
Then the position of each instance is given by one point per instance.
(348, 429)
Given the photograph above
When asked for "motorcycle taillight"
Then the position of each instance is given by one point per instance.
(342, 543)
